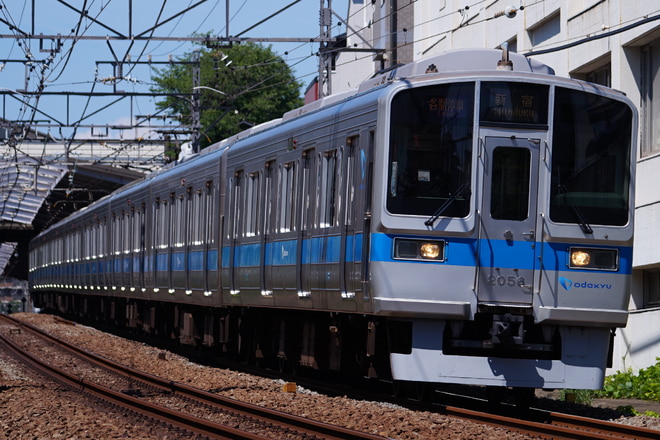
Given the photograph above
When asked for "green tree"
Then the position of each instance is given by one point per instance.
(258, 84)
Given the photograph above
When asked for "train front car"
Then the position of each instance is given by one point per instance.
(503, 250)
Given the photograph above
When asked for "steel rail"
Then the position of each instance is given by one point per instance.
(190, 423)
(560, 426)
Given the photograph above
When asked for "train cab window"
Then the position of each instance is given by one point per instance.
(430, 151)
(288, 184)
(327, 208)
(590, 181)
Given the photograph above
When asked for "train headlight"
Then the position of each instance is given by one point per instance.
(429, 250)
(580, 258)
(590, 258)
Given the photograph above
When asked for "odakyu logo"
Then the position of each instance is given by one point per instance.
(568, 284)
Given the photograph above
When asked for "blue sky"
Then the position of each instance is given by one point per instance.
(74, 68)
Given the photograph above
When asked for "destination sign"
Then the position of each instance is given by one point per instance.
(514, 103)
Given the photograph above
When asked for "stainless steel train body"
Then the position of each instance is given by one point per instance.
(462, 223)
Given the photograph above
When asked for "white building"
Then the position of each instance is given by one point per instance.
(611, 42)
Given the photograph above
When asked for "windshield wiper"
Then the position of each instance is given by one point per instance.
(584, 225)
(459, 192)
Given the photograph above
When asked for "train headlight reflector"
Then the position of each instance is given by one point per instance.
(592, 258)
(412, 249)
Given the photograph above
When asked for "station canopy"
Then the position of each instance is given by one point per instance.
(35, 195)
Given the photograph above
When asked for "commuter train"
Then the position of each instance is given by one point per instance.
(464, 219)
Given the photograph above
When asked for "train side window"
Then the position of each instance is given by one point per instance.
(155, 222)
(75, 239)
(92, 239)
(84, 240)
(327, 189)
(103, 237)
(127, 231)
(180, 222)
(210, 214)
(268, 196)
(172, 221)
(158, 225)
(195, 214)
(288, 180)
(235, 211)
(252, 204)
(164, 239)
(116, 235)
(229, 218)
(307, 190)
(351, 146)
(138, 230)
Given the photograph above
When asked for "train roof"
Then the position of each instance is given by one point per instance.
(454, 61)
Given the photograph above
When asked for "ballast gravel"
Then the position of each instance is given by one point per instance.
(34, 408)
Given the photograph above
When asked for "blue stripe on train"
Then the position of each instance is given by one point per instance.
(327, 250)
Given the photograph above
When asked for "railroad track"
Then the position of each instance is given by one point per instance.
(557, 425)
(538, 423)
(253, 422)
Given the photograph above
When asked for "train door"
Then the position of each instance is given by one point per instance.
(349, 247)
(306, 218)
(234, 231)
(507, 247)
(267, 227)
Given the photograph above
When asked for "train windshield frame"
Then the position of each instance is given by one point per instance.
(431, 141)
(591, 153)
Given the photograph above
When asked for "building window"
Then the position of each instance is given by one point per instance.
(598, 72)
(602, 75)
(546, 30)
(650, 107)
(651, 288)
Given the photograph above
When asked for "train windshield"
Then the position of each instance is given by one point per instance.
(590, 159)
(431, 150)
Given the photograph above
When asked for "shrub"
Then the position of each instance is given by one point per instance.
(625, 385)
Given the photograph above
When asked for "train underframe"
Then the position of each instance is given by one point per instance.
(285, 340)
(412, 354)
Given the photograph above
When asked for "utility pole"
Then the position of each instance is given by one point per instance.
(325, 52)
(195, 110)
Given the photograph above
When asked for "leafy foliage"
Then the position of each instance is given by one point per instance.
(583, 397)
(626, 385)
(258, 84)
